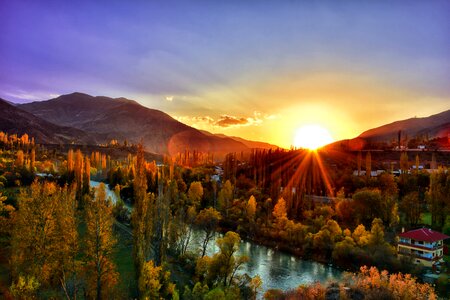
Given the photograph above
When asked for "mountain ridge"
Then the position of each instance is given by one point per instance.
(14, 120)
(120, 118)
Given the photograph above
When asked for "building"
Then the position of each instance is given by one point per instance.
(424, 245)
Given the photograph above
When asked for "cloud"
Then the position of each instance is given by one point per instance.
(225, 121)
(169, 98)
(22, 96)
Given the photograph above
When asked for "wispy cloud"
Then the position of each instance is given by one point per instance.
(23, 96)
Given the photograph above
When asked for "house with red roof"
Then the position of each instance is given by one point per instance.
(424, 245)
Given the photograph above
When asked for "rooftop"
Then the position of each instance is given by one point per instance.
(424, 234)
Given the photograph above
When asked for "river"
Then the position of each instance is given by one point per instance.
(277, 269)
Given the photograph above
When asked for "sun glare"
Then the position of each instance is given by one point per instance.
(312, 137)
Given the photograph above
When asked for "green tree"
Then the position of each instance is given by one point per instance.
(225, 197)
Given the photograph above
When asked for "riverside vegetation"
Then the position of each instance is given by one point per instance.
(59, 236)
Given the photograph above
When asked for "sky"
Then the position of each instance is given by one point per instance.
(256, 69)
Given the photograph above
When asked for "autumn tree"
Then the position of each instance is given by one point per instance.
(101, 274)
(32, 159)
(19, 159)
(404, 163)
(70, 162)
(438, 197)
(86, 176)
(78, 171)
(377, 233)
(142, 216)
(224, 265)
(225, 197)
(6, 214)
(251, 208)
(412, 208)
(280, 212)
(361, 236)
(207, 220)
(376, 285)
(368, 165)
(154, 282)
(358, 162)
(44, 238)
(195, 193)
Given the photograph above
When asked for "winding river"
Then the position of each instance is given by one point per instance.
(278, 270)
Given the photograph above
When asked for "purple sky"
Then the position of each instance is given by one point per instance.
(244, 59)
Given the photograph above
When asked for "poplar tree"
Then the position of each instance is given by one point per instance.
(368, 165)
(141, 218)
(101, 274)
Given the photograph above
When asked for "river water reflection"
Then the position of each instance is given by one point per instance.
(277, 269)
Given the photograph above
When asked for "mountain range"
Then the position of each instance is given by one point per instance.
(17, 121)
(83, 119)
(434, 126)
(79, 118)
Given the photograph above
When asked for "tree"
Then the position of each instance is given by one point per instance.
(207, 219)
(25, 287)
(412, 209)
(404, 163)
(70, 163)
(101, 275)
(222, 267)
(44, 238)
(358, 162)
(32, 160)
(367, 205)
(225, 197)
(154, 283)
(368, 165)
(251, 208)
(86, 176)
(279, 211)
(438, 197)
(256, 286)
(19, 159)
(377, 233)
(361, 236)
(195, 193)
(6, 214)
(142, 215)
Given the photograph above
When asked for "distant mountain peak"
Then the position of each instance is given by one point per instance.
(121, 118)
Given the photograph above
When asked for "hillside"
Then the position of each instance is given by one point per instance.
(248, 143)
(119, 118)
(434, 126)
(14, 120)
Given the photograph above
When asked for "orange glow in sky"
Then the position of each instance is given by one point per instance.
(312, 137)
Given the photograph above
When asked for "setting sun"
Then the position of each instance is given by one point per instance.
(312, 137)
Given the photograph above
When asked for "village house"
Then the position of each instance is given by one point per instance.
(424, 245)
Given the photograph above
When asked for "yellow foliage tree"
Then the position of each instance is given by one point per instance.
(101, 275)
